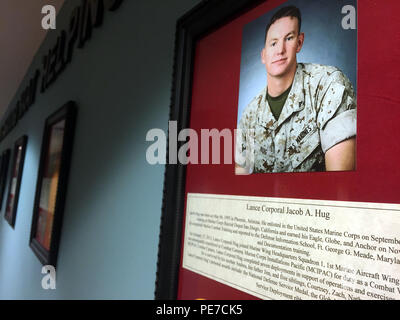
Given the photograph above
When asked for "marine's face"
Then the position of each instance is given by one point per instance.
(282, 43)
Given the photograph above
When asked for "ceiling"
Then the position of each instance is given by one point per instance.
(21, 34)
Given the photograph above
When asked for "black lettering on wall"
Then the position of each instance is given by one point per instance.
(92, 12)
(82, 20)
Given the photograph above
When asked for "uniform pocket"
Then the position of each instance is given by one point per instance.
(299, 151)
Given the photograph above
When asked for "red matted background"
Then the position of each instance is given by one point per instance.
(214, 105)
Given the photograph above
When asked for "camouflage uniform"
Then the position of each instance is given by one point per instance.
(320, 112)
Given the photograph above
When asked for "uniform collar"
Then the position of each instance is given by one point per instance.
(295, 99)
(293, 103)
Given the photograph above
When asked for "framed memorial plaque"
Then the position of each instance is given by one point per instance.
(15, 180)
(52, 182)
(5, 159)
(281, 180)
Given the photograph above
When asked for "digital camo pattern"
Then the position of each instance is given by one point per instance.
(320, 112)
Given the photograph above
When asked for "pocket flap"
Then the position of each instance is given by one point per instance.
(300, 151)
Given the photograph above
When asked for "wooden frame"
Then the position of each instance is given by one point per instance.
(58, 136)
(5, 159)
(15, 180)
(204, 18)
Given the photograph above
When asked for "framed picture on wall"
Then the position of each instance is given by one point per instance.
(51, 187)
(15, 180)
(5, 159)
(277, 84)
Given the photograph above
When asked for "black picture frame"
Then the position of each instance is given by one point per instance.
(5, 159)
(66, 115)
(15, 180)
(201, 20)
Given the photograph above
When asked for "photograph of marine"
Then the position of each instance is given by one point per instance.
(305, 118)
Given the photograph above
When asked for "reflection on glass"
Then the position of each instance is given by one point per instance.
(14, 177)
(48, 191)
